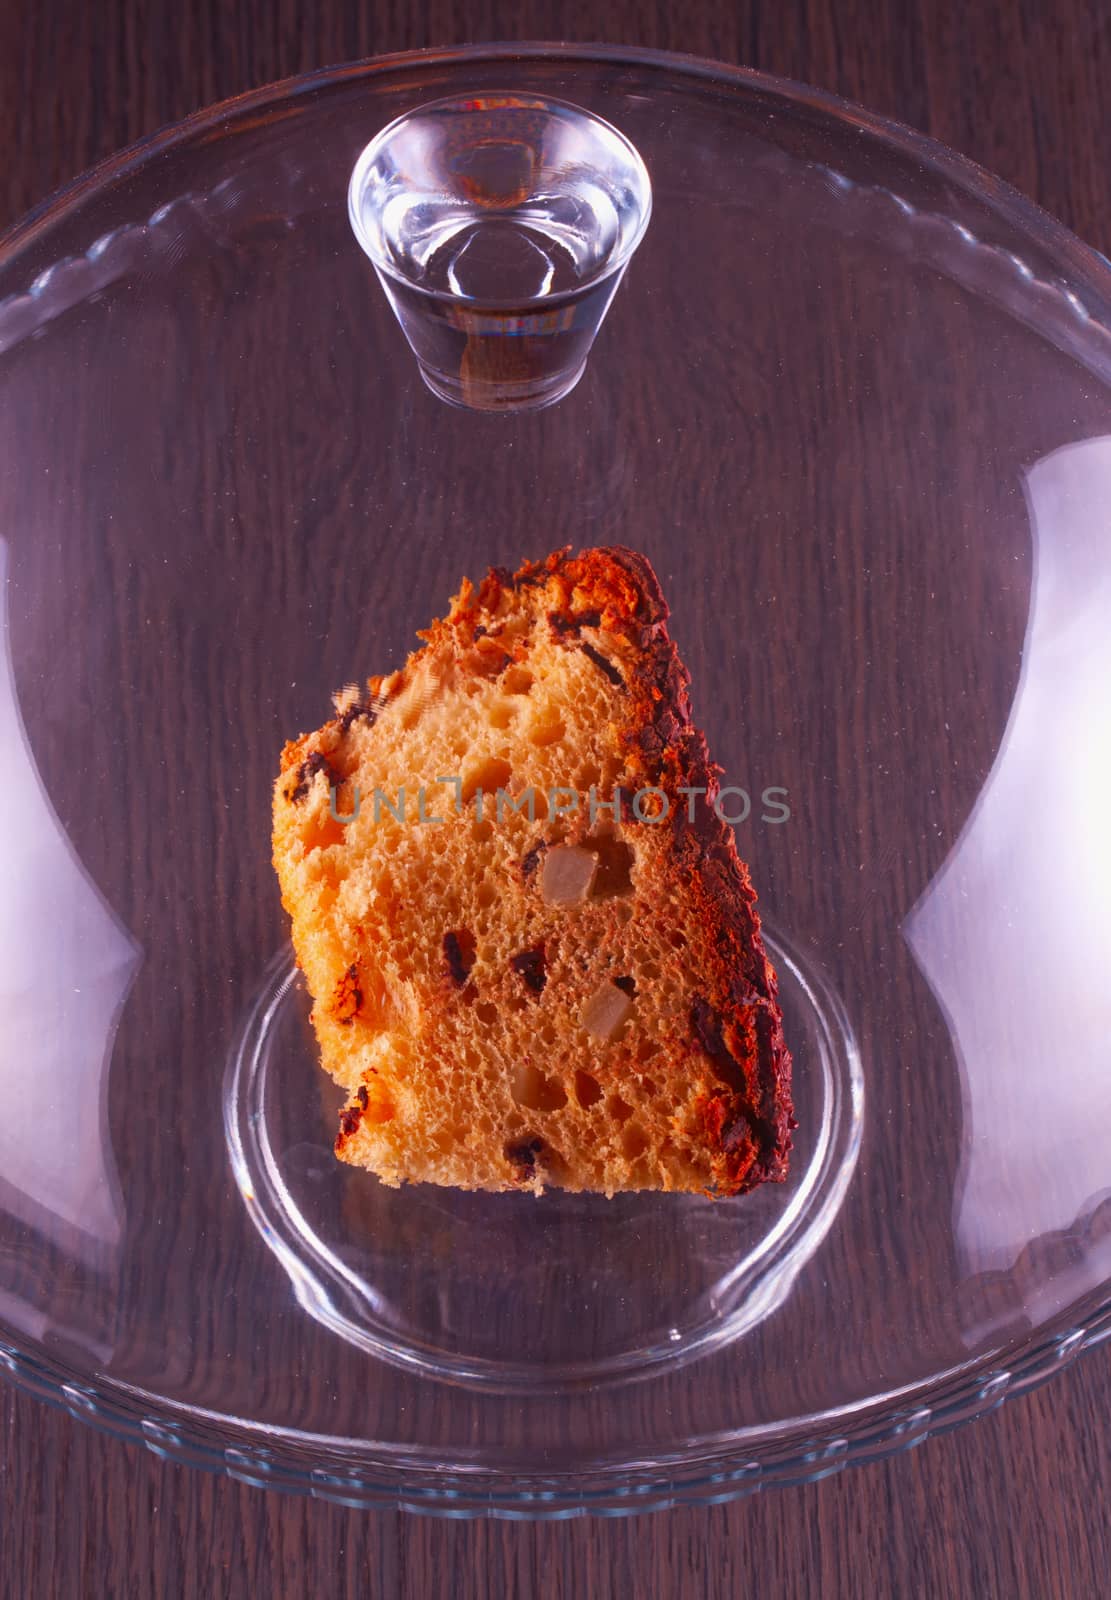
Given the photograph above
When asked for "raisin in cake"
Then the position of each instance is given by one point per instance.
(527, 974)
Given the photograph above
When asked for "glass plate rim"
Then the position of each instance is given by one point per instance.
(967, 175)
(345, 1476)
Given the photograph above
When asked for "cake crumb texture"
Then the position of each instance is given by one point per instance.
(578, 997)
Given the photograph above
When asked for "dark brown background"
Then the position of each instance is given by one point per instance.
(1014, 1505)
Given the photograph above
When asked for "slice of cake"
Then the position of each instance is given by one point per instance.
(533, 952)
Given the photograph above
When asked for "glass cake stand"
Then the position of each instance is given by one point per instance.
(852, 397)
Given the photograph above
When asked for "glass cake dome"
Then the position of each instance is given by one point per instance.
(852, 398)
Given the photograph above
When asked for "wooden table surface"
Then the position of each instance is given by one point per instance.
(1011, 1506)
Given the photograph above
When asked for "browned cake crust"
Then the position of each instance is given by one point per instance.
(473, 1052)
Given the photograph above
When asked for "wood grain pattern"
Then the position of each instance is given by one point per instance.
(1011, 1506)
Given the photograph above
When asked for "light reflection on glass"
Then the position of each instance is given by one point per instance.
(66, 964)
(1014, 933)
